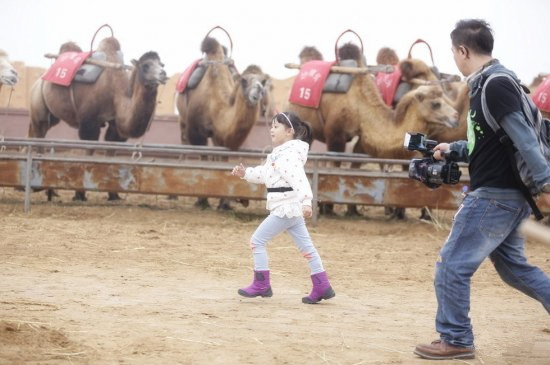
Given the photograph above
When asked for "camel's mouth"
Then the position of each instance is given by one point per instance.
(451, 123)
(8, 80)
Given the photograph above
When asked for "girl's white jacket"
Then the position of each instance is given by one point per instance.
(284, 167)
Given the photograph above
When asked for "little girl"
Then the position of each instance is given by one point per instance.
(289, 201)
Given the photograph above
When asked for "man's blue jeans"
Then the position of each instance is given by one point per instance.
(483, 227)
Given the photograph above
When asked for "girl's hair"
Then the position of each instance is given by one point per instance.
(302, 129)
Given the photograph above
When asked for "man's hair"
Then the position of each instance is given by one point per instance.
(474, 34)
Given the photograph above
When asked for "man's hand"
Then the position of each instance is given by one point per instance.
(545, 198)
(239, 170)
(307, 211)
(440, 149)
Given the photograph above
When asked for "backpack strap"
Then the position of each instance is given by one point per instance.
(507, 141)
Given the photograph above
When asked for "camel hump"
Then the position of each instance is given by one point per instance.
(415, 68)
(309, 53)
(69, 47)
(109, 45)
(350, 51)
(387, 56)
(210, 45)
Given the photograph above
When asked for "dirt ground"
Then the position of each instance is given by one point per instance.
(149, 280)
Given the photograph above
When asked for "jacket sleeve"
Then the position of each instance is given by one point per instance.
(255, 175)
(526, 142)
(293, 172)
(462, 148)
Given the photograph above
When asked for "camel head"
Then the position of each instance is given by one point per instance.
(267, 93)
(8, 74)
(253, 87)
(150, 69)
(309, 53)
(431, 107)
(412, 68)
(350, 51)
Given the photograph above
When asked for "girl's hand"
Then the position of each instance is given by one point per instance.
(239, 170)
(307, 211)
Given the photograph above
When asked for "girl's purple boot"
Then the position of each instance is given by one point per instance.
(321, 289)
(259, 287)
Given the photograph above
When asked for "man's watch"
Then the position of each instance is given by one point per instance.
(546, 187)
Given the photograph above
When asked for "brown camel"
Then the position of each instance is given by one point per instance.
(339, 116)
(220, 107)
(383, 130)
(121, 100)
(8, 74)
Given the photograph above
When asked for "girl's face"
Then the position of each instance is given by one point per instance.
(280, 133)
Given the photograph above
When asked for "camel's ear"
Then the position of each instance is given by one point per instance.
(134, 62)
(244, 83)
(420, 96)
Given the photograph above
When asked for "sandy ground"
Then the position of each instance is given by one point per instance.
(148, 281)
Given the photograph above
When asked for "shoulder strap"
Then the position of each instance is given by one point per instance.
(505, 139)
(526, 107)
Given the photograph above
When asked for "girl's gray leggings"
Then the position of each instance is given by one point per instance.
(296, 227)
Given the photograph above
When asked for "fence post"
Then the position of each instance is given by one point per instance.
(314, 202)
(28, 172)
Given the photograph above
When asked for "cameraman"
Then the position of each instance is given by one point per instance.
(486, 224)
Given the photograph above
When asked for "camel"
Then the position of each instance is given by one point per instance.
(8, 74)
(121, 100)
(338, 118)
(220, 107)
(383, 130)
(341, 117)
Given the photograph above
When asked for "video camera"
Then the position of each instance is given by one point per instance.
(428, 170)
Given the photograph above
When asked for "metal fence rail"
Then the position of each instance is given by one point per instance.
(206, 172)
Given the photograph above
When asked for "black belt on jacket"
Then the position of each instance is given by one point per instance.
(279, 190)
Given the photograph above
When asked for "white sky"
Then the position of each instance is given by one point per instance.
(272, 33)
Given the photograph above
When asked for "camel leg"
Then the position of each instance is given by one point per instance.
(198, 137)
(393, 212)
(87, 131)
(336, 142)
(41, 121)
(112, 135)
(425, 214)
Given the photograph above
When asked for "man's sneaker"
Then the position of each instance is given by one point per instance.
(441, 350)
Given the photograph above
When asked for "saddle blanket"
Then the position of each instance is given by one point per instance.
(541, 96)
(65, 67)
(387, 84)
(307, 88)
(184, 78)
